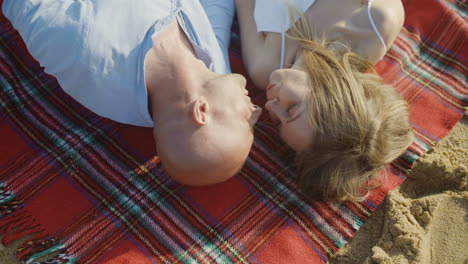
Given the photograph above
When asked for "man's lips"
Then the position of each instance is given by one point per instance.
(256, 113)
(256, 108)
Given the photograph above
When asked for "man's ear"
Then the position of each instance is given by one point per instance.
(201, 111)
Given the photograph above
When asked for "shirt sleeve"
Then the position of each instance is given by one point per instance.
(221, 14)
(52, 30)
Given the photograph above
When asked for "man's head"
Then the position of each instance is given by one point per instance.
(207, 139)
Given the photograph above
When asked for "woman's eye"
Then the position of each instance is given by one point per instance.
(292, 110)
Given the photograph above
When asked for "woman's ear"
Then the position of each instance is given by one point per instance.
(201, 111)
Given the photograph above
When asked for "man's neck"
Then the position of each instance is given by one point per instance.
(172, 71)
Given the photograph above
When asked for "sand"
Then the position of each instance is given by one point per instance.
(423, 221)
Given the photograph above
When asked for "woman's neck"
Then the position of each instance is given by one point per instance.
(298, 61)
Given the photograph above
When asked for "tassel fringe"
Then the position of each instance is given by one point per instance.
(16, 223)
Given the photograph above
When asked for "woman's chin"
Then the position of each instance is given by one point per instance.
(274, 119)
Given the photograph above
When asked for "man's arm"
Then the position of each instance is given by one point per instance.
(221, 14)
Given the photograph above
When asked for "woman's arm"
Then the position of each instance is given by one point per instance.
(257, 54)
(389, 17)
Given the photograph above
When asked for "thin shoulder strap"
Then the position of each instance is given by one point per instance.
(373, 24)
(283, 47)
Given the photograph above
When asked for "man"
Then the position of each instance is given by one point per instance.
(154, 63)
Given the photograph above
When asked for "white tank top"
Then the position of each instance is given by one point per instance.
(273, 16)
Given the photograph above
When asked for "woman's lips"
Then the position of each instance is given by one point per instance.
(268, 91)
(274, 120)
(269, 87)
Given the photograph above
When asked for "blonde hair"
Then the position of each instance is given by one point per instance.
(361, 123)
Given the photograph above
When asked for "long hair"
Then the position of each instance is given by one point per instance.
(361, 123)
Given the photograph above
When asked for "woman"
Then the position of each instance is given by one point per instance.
(330, 106)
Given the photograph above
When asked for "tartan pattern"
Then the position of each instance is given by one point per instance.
(107, 193)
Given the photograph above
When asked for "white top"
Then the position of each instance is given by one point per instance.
(273, 16)
(96, 48)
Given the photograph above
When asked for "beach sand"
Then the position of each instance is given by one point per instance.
(425, 219)
(422, 221)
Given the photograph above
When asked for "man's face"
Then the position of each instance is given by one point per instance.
(228, 94)
(235, 114)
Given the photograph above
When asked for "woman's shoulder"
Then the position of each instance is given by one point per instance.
(264, 60)
(368, 27)
(389, 16)
(266, 57)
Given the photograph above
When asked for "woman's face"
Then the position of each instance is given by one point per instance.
(286, 94)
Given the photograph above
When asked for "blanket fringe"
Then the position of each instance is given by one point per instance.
(59, 259)
(41, 248)
(17, 223)
(8, 202)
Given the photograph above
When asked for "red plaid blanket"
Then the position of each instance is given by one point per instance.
(90, 190)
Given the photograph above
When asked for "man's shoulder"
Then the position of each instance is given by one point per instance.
(52, 30)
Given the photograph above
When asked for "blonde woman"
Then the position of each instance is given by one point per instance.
(330, 106)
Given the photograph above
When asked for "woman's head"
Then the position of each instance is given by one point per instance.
(348, 124)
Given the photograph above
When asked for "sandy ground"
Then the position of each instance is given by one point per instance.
(423, 221)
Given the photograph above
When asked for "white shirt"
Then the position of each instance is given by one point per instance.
(96, 48)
